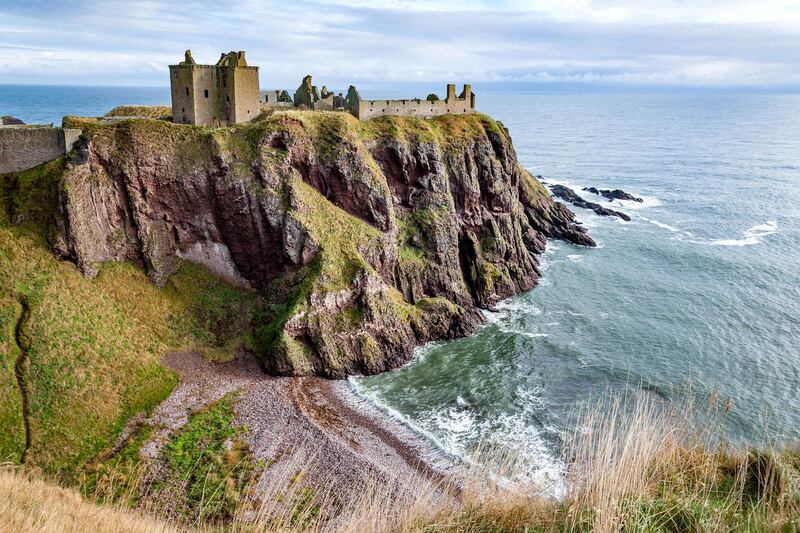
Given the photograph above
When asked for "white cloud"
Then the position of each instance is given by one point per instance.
(703, 42)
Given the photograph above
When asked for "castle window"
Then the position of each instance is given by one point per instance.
(205, 92)
(187, 91)
(227, 98)
(183, 110)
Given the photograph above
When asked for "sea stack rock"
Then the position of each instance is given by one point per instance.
(568, 195)
(616, 194)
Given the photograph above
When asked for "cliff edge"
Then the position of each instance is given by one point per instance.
(365, 239)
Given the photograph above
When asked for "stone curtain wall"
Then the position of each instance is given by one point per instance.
(452, 105)
(24, 147)
(414, 108)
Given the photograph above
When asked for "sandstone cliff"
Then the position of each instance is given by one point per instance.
(365, 239)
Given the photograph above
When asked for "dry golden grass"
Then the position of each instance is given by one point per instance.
(30, 504)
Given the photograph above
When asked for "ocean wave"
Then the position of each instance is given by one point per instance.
(661, 225)
(751, 236)
(456, 431)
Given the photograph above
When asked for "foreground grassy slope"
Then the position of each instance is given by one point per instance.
(91, 346)
(30, 504)
(647, 468)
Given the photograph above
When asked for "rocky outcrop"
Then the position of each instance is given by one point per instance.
(365, 239)
(7, 120)
(568, 195)
(616, 194)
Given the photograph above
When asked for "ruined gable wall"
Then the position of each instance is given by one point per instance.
(182, 78)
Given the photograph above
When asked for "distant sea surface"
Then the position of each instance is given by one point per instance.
(43, 104)
(700, 291)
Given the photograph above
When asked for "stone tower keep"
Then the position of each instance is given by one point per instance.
(214, 95)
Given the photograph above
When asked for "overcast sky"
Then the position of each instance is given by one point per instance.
(375, 43)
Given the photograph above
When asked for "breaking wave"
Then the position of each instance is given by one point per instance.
(751, 236)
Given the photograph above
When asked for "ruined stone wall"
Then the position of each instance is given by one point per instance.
(246, 94)
(182, 89)
(207, 98)
(451, 105)
(24, 147)
(270, 97)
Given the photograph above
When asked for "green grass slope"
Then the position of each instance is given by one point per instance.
(92, 345)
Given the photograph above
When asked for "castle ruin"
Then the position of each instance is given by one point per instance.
(214, 95)
(228, 93)
(430, 107)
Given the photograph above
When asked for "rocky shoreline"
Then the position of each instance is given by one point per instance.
(568, 195)
(320, 427)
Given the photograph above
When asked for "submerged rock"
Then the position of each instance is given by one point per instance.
(365, 239)
(616, 194)
(568, 195)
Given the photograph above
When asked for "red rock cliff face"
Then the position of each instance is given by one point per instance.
(365, 239)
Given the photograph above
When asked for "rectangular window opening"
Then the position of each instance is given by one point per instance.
(187, 91)
(205, 92)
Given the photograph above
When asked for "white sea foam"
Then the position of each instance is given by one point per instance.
(575, 258)
(526, 333)
(751, 236)
(456, 429)
(661, 225)
(647, 202)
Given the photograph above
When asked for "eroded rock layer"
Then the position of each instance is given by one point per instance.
(365, 239)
